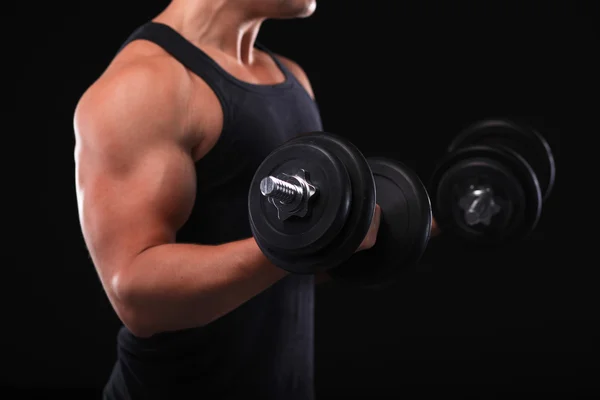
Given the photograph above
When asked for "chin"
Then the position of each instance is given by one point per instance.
(309, 8)
(297, 8)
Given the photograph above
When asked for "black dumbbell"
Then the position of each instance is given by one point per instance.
(490, 186)
(311, 203)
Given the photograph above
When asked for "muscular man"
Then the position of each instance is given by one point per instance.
(167, 141)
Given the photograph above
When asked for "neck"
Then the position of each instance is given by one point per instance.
(215, 23)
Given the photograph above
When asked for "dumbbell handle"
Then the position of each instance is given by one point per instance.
(478, 203)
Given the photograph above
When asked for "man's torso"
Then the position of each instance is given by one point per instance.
(265, 347)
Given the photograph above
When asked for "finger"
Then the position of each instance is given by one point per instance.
(435, 230)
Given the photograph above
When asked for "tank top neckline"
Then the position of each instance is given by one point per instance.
(264, 88)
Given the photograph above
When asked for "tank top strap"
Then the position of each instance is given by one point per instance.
(189, 55)
(288, 74)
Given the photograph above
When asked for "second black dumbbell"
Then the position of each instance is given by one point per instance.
(492, 183)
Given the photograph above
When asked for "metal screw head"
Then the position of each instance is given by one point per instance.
(268, 185)
(479, 205)
(279, 189)
(290, 194)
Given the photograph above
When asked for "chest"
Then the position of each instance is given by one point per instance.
(253, 125)
(253, 122)
(265, 122)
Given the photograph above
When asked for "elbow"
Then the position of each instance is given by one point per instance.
(130, 309)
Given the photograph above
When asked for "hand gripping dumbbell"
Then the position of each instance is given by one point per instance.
(311, 203)
(490, 186)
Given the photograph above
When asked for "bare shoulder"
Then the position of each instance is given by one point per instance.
(135, 96)
(298, 72)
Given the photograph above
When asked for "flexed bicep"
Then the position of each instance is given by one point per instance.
(135, 177)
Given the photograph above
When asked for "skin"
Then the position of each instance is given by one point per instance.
(139, 130)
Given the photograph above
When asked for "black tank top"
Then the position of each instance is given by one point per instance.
(264, 348)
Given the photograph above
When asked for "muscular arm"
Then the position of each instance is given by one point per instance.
(136, 182)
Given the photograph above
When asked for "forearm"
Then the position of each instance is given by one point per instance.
(179, 286)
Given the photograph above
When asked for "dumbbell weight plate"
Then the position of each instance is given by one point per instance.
(340, 213)
(515, 188)
(522, 139)
(404, 230)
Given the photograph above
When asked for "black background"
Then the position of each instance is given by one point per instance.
(398, 78)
